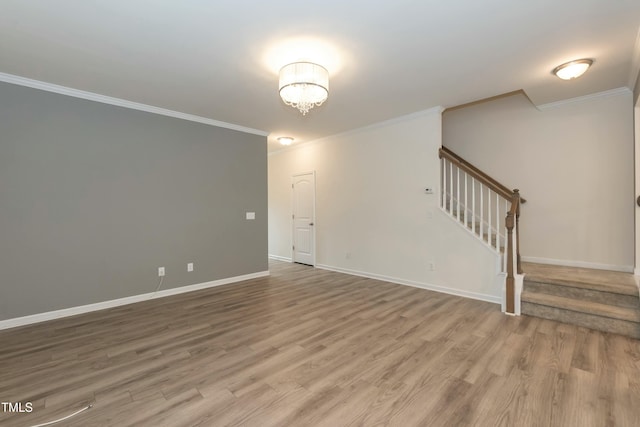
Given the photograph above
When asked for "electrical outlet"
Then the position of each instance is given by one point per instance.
(160, 271)
(190, 266)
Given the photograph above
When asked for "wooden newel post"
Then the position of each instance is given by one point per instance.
(511, 282)
(516, 194)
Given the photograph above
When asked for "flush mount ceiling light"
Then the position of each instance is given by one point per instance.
(304, 85)
(285, 140)
(572, 69)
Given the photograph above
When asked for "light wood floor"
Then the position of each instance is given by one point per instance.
(307, 347)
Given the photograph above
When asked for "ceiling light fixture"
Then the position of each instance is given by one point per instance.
(572, 69)
(285, 140)
(304, 85)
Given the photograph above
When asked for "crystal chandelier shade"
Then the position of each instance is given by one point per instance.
(304, 85)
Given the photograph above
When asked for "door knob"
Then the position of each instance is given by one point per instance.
(638, 200)
(311, 224)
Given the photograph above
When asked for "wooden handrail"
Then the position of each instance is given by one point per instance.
(464, 165)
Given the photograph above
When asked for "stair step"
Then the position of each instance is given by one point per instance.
(603, 300)
(599, 323)
(585, 278)
(582, 306)
(582, 293)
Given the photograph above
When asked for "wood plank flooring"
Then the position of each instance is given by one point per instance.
(307, 347)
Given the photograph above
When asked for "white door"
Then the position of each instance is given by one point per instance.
(304, 205)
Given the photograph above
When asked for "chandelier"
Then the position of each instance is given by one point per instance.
(304, 85)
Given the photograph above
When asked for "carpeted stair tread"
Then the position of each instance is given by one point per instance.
(599, 280)
(587, 320)
(594, 308)
(611, 298)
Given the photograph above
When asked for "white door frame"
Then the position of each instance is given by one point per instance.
(313, 228)
(636, 145)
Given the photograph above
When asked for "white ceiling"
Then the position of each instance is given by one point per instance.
(219, 59)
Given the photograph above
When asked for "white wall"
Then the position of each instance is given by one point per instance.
(573, 163)
(636, 116)
(371, 204)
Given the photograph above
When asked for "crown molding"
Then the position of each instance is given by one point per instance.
(591, 97)
(103, 99)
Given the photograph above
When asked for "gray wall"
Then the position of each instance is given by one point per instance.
(94, 198)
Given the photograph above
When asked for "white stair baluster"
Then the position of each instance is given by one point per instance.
(489, 216)
(466, 200)
(473, 205)
(451, 189)
(443, 181)
(458, 193)
(497, 222)
(481, 188)
(504, 256)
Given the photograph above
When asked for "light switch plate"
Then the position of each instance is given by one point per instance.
(251, 215)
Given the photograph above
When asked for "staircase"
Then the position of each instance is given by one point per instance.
(597, 299)
(490, 211)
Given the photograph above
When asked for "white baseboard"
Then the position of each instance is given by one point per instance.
(72, 311)
(280, 258)
(427, 286)
(581, 264)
